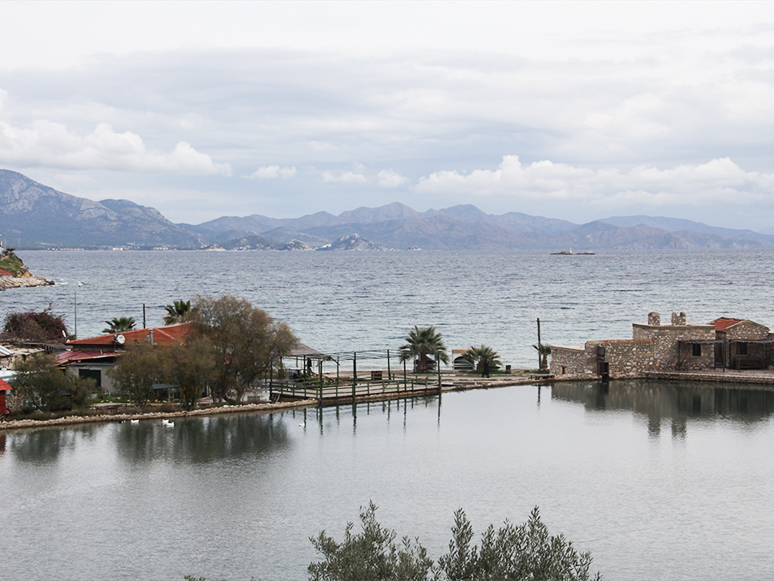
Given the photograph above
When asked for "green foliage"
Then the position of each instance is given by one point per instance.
(543, 351)
(39, 385)
(477, 355)
(245, 343)
(421, 343)
(177, 312)
(371, 555)
(119, 325)
(35, 326)
(512, 553)
(189, 367)
(12, 263)
(136, 371)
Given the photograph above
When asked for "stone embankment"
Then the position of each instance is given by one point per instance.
(27, 280)
(447, 385)
(72, 420)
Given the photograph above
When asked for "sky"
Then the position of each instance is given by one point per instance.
(571, 110)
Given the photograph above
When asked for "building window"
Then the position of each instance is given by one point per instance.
(564, 370)
(94, 374)
(696, 350)
(741, 348)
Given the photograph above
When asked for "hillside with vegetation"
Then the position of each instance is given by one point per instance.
(12, 263)
(20, 276)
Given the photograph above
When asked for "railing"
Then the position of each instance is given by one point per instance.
(313, 388)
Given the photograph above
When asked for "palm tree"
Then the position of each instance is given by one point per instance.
(543, 352)
(477, 355)
(421, 342)
(119, 325)
(177, 311)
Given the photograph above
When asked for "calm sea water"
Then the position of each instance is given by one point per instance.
(658, 481)
(357, 301)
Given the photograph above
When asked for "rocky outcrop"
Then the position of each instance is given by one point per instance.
(26, 280)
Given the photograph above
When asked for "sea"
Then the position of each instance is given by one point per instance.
(658, 480)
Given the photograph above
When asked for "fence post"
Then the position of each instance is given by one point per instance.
(389, 376)
(405, 378)
(321, 380)
(354, 374)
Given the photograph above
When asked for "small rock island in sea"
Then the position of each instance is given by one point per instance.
(13, 273)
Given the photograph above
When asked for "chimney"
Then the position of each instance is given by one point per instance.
(150, 336)
(654, 319)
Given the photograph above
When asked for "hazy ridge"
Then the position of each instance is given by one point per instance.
(33, 215)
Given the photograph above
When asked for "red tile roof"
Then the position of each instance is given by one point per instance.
(5, 273)
(724, 323)
(4, 386)
(161, 336)
(68, 356)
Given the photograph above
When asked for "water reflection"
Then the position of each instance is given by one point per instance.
(670, 400)
(202, 440)
(45, 445)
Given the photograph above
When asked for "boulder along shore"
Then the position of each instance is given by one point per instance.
(26, 280)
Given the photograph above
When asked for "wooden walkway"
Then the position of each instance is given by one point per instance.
(333, 392)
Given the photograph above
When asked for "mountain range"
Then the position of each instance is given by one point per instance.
(33, 215)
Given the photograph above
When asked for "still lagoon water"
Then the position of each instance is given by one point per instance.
(657, 480)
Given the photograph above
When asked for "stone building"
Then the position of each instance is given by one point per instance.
(677, 346)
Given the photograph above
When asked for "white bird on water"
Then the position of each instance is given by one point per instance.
(135, 421)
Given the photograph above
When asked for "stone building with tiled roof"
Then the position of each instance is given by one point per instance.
(678, 346)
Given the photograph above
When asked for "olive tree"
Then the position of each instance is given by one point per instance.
(245, 342)
(371, 555)
(525, 552)
(40, 385)
(136, 371)
(188, 366)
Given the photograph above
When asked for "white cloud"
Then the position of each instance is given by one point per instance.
(388, 178)
(45, 143)
(718, 180)
(270, 172)
(347, 177)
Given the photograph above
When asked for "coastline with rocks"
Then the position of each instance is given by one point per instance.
(26, 280)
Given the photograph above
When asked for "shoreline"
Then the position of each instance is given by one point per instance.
(758, 382)
(9, 282)
(112, 418)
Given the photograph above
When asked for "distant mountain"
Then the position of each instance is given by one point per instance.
(36, 216)
(681, 225)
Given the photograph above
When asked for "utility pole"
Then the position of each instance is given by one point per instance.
(144, 326)
(75, 309)
(539, 344)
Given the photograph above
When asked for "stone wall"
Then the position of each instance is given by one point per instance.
(666, 352)
(569, 361)
(747, 330)
(625, 358)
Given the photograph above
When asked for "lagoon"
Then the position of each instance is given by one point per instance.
(657, 480)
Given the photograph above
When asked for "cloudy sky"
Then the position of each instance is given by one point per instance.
(574, 110)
